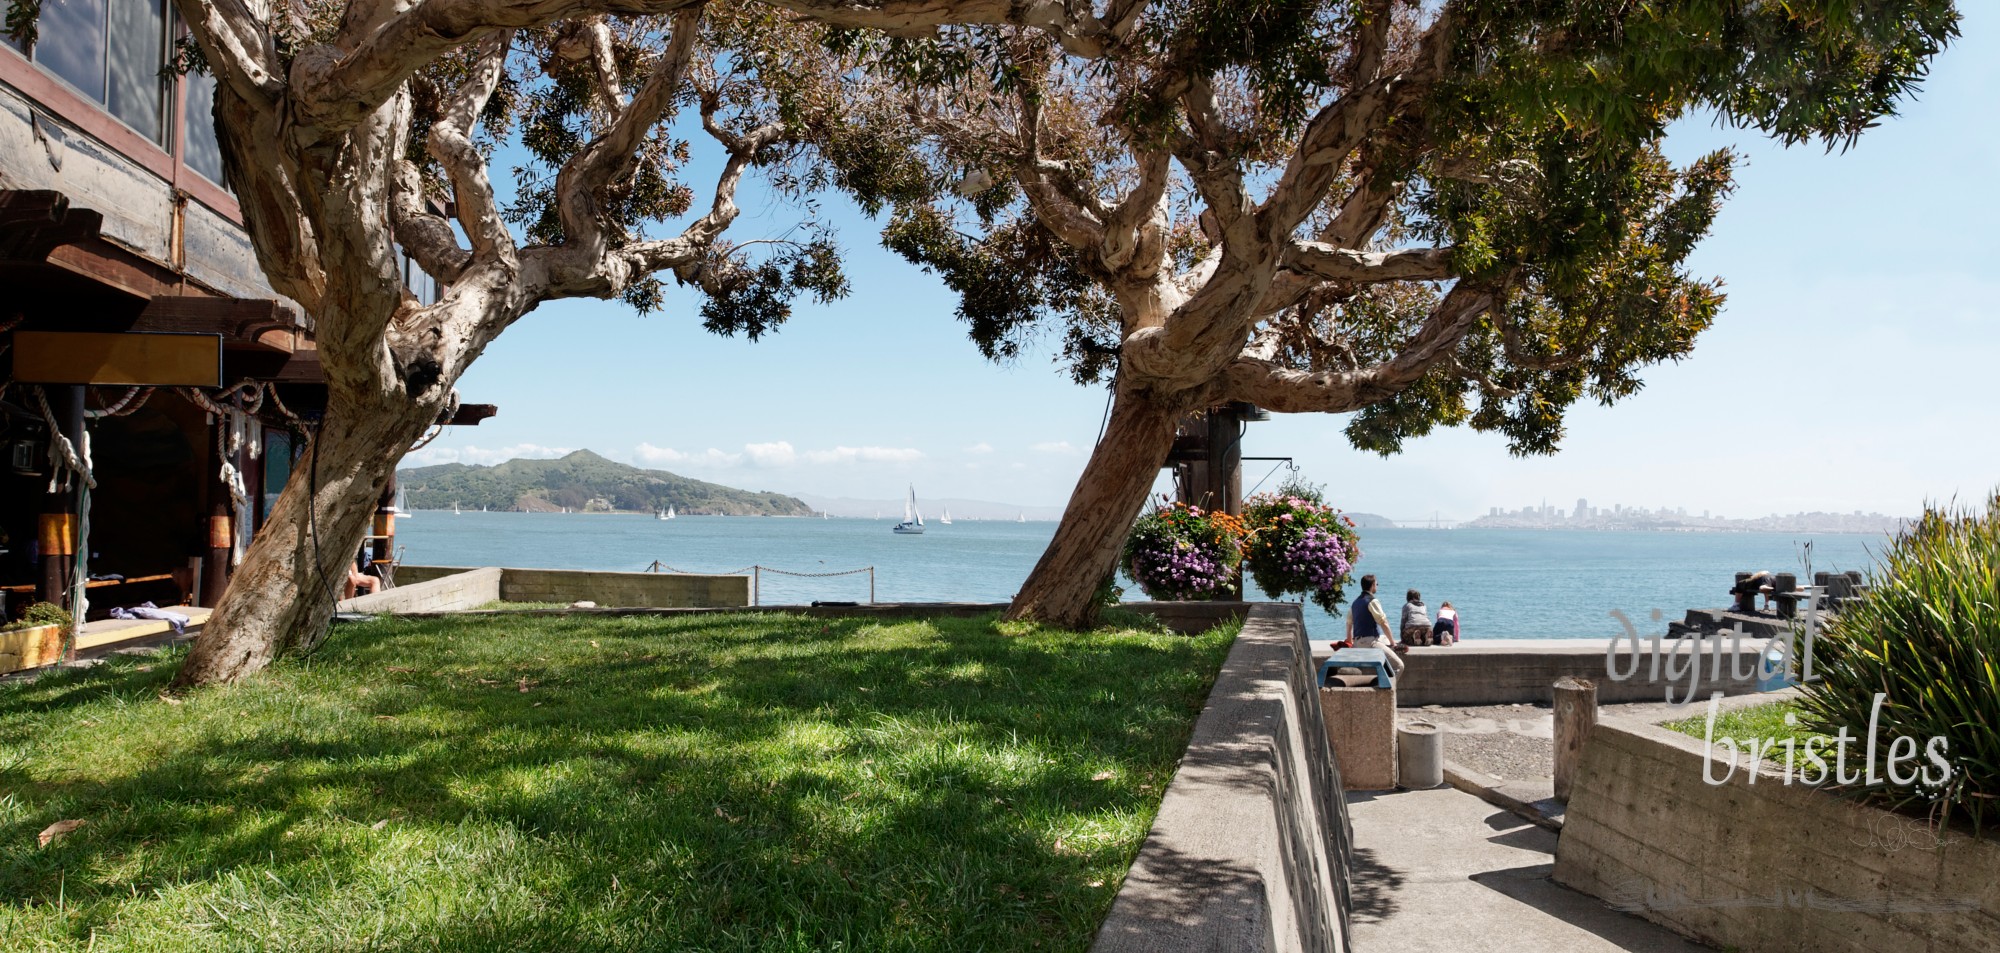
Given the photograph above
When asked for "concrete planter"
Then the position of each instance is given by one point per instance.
(1766, 867)
(31, 647)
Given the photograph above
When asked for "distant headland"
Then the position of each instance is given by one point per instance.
(582, 482)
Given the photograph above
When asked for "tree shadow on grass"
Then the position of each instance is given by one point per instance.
(783, 783)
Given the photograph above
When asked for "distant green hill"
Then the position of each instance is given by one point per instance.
(582, 481)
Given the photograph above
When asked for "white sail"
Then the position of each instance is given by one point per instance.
(945, 520)
(913, 519)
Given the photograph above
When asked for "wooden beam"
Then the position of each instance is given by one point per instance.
(298, 367)
(469, 415)
(244, 323)
(34, 222)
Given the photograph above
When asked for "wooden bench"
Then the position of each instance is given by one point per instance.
(182, 578)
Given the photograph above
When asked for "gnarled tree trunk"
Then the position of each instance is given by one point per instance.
(296, 567)
(1062, 590)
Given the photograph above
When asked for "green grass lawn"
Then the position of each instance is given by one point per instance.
(719, 782)
(1759, 722)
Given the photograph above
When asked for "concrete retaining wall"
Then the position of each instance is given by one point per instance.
(1766, 867)
(1506, 671)
(1184, 617)
(618, 589)
(1251, 848)
(464, 589)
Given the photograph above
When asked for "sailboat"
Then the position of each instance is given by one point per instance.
(1022, 518)
(913, 521)
(402, 504)
(822, 515)
(945, 520)
(665, 514)
(454, 508)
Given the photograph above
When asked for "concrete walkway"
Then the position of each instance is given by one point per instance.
(1441, 871)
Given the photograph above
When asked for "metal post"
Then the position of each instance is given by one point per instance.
(871, 585)
(756, 583)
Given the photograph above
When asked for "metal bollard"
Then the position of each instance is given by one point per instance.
(1419, 755)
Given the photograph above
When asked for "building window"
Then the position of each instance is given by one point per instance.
(418, 281)
(279, 452)
(112, 52)
(199, 148)
(138, 38)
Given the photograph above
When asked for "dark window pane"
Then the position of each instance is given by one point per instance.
(277, 467)
(199, 148)
(138, 51)
(71, 43)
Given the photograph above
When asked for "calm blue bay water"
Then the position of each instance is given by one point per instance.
(1506, 583)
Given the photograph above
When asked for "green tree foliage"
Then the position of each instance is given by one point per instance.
(1421, 213)
(1518, 141)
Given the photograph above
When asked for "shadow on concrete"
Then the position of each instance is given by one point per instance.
(1532, 886)
(1373, 887)
(1526, 836)
(1171, 893)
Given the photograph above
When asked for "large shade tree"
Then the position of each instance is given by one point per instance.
(1419, 213)
(351, 129)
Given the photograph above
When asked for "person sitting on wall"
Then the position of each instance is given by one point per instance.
(1761, 581)
(1368, 628)
(1416, 620)
(1445, 630)
(359, 580)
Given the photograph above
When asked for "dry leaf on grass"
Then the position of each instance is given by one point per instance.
(169, 699)
(1102, 776)
(58, 829)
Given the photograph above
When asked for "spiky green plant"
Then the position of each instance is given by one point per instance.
(1926, 633)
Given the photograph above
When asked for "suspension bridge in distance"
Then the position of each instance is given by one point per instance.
(1427, 522)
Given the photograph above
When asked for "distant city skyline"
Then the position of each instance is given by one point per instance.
(1850, 369)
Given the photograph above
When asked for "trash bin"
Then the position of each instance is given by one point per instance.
(1419, 755)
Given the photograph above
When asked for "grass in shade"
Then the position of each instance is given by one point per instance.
(1761, 723)
(736, 782)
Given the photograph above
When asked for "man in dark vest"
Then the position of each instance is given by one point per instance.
(1368, 627)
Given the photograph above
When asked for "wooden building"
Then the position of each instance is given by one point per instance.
(134, 322)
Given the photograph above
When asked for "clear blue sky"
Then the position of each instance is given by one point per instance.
(1853, 368)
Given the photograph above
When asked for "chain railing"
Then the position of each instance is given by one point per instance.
(757, 576)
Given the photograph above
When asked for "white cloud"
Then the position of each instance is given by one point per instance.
(480, 456)
(775, 455)
(1054, 446)
(980, 447)
(663, 456)
(865, 455)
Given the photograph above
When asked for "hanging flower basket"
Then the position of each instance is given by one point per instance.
(1185, 553)
(1298, 545)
